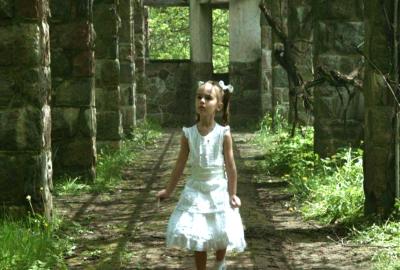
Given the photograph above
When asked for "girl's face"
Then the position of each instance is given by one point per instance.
(207, 102)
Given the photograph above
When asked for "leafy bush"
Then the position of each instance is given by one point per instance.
(328, 190)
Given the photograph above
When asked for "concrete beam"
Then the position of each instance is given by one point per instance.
(166, 3)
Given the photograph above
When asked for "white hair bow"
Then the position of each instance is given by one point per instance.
(228, 87)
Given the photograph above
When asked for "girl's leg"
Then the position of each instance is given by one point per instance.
(200, 257)
(220, 254)
(220, 259)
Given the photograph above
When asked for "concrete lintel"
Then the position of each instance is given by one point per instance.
(166, 3)
(216, 3)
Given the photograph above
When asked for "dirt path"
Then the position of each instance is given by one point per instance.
(125, 229)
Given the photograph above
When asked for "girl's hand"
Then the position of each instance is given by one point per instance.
(235, 201)
(163, 194)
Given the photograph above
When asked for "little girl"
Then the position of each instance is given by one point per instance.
(207, 217)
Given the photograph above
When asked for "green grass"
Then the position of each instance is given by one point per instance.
(110, 163)
(329, 190)
(31, 243)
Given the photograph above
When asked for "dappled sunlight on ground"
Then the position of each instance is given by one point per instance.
(125, 229)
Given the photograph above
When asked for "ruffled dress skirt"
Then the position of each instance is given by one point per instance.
(203, 219)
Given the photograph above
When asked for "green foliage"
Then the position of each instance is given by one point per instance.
(328, 190)
(384, 235)
(220, 40)
(169, 36)
(31, 243)
(110, 163)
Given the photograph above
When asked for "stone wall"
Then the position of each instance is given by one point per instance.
(140, 59)
(299, 24)
(338, 26)
(25, 85)
(266, 67)
(73, 98)
(127, 64)
(168, 87)
(379, 154)
(108, 95)
(280, 85)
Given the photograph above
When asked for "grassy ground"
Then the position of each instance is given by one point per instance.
(34, 243)
(329, 191)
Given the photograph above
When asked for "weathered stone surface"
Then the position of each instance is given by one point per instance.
(23, 174)
(6, 9)
(22, 129)
(31, 9)
(169, 92)
(338, 37)
(7, 43)
(379, 154)
(109, 125)
(74, 93)
(106, 19)
(76, 158)
(83, 64)
(73, 96)
(25, 157)
(108, 100)
(339, 10)
(334, 36)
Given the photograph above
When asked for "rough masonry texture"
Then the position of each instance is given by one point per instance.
(300, 34)
(140, 59)
(379, 160)
(108, 96)
(127, 66)
(73, 97)
(338, 26)
(25, 85)
(168, 83)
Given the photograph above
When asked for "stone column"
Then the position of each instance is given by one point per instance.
(25, 126)
(300, 34)
(108, 96)
(280, 85)
(72, 71)
(379, 153)
(200, 22)
(244, 54)
(266, 67)
(126, 58)
(140, 59)
(338, 25)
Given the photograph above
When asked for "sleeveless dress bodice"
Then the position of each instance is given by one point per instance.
(206, 187)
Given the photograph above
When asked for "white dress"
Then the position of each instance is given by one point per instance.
(203, 218)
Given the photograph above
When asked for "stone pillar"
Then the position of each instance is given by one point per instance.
(200, 22)
(244, 54)
(73, 111)
(300, 34)
(140, 59)
(108, 96)
(338, 25)
(280, 85)
(126, 57)
(379, 153)
(266, 67)
(25, 126)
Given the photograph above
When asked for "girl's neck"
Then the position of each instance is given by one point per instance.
(206, 122)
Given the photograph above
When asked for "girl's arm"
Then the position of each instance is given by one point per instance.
(177, 171)
(230, 168)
